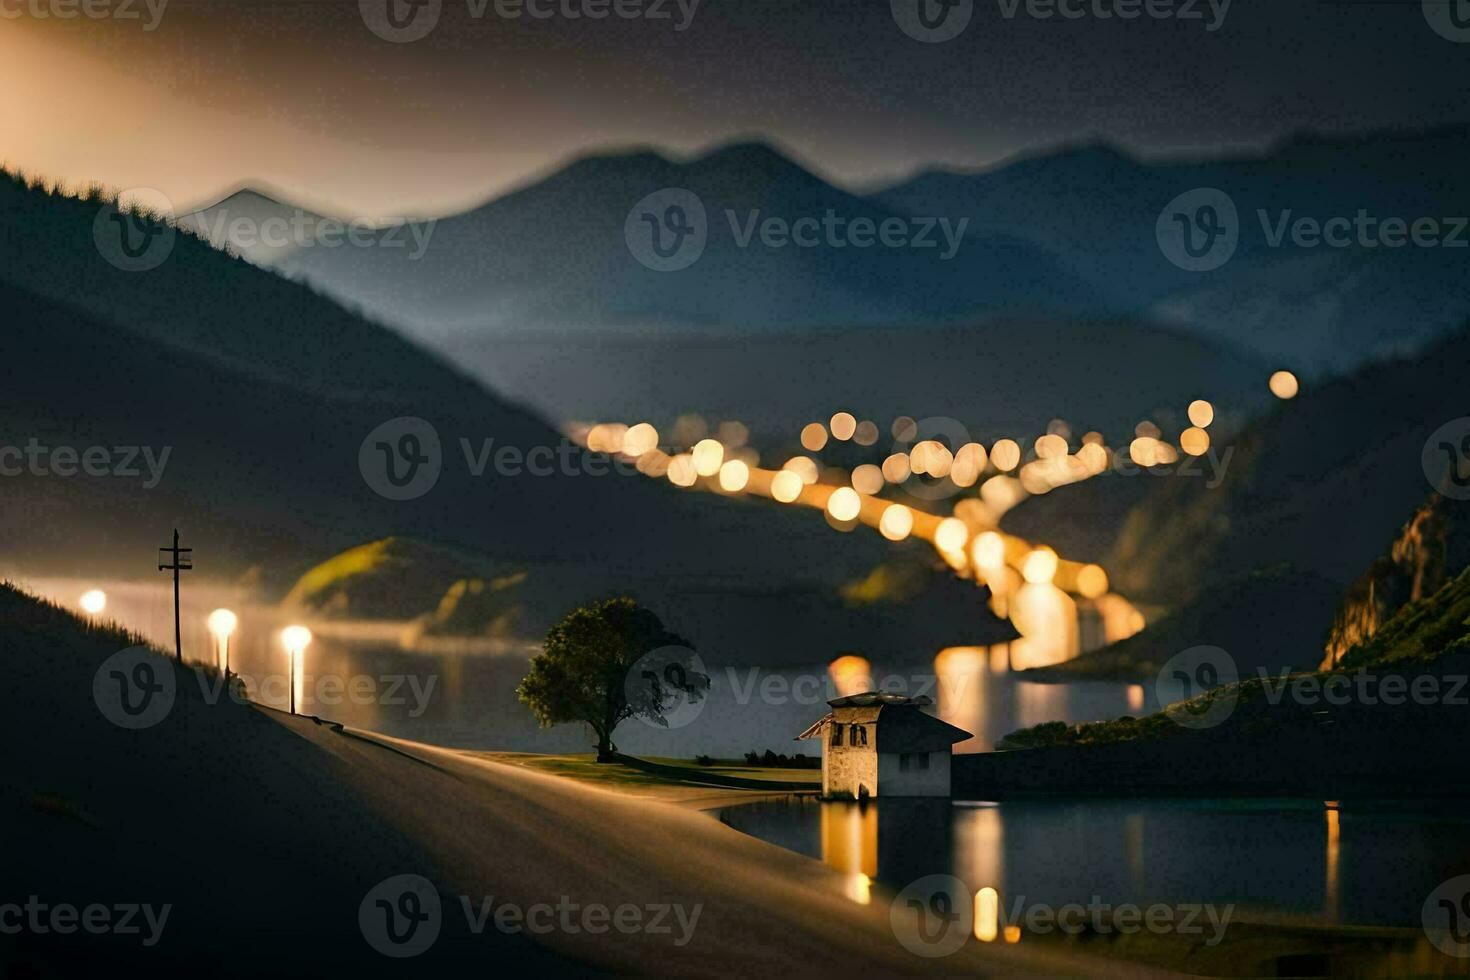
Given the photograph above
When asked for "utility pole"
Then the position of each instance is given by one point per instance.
(182, 562)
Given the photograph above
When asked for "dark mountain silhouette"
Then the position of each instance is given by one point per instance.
(1317, 310)
(998, 377)
(1285, 556)
(1064, 233)
(538, 293)
(264, 392)
(553, 255)
(1321, 483)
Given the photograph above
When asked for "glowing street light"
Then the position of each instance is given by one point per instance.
(222, 625)
(296, 640)
(94, 602)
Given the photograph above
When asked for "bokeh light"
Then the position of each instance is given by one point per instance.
(1201, 413)
(1040, 566)
(681, 471)
(1144, 451)
(1050, 446)
(1284, 385)
(843, 426)
(709, 455)
(844, 504)
(1092, 581)
(814, 437)
(951, 535)
(786, 486)
(804, 467)
(734, 475)
(1194, 441)
(896, 468)
(989, 551)
(896, 523)
(1005, 455)
(867, 479)
(969, 463)
(640, 439)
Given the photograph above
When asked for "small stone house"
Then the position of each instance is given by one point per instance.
(884, 744)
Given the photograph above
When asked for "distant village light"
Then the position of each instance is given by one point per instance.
(1284, 385)
(987, 915)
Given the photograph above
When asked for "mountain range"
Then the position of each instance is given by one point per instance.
(540, 293)
(262, 393)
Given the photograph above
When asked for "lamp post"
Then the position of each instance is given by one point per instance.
(296, 639)
(222, 625)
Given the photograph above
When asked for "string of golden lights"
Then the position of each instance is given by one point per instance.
(969, 540)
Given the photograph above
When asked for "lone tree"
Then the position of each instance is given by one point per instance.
(606, 662)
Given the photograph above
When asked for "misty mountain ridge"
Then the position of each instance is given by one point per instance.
(264, 392)
(553, 254)
(1061, 233)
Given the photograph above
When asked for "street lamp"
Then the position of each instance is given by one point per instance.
(93, 602)
(222, 625)
(296, 639)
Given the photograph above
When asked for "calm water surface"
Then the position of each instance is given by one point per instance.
(1339, 862)
(466, 699)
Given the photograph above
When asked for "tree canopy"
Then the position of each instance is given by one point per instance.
(606, 662)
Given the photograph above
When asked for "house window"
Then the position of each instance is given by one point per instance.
(913, 760)
(837, 733)
(921, 760)
(857, 735)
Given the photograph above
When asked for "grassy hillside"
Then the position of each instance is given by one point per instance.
(247, 831)
(263, 393)
(1422, 633)
(1428, 637)
(1321, 482)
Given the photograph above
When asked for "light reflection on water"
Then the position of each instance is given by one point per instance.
(359, 674)
(1302, 859)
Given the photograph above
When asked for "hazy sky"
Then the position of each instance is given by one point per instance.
(300, 95)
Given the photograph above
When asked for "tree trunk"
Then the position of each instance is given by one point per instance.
(606, 751)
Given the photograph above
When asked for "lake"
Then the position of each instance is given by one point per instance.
(1313, 860)
(464, 696)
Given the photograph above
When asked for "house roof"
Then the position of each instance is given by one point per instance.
(869, 698)
(907, 729)
(901, 724)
